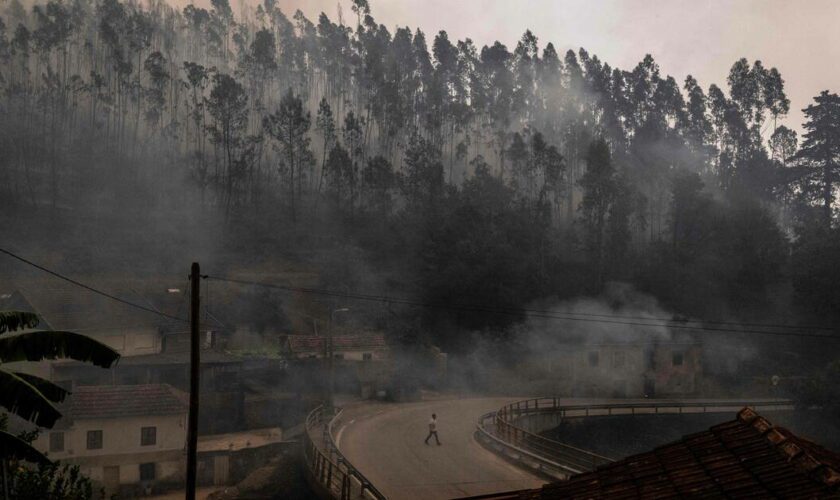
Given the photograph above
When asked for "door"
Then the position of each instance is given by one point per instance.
(111, 479)
(221, 468)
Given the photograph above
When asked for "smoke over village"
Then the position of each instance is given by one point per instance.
(392, 249)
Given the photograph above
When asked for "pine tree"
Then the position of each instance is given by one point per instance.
(819, 155)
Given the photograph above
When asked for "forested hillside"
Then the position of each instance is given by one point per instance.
(424, 166)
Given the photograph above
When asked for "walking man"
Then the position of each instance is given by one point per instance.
(433, 430)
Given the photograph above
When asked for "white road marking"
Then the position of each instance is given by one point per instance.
(340, 432)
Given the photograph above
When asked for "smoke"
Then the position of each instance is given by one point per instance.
(620, 314)
(519, 360)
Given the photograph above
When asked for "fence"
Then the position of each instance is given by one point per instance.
(503, 429)
(327, 467)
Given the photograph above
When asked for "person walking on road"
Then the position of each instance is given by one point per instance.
(433, 430)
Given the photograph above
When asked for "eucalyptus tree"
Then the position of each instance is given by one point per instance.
(360, 8)
(526, 60)
(423, 72)
(352, 135)
(156, 67)
(745, 89)
(325, 124)
(289, 127)
(197, 77)
(228, 106)
(574, 135)
(258, 63)
(422, 179)
(549, 169)
(549, 88)
(498, 86)
(51, 38)
(783, 144)
(442, 90)
(698, 126)
(339, 175)
(379, 179)
(602, 188)
(773, 95)
(197, 21)
(221, 23)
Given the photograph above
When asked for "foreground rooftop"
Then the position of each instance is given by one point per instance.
(747, 457)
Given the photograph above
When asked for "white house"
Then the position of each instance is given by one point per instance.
(129, 438)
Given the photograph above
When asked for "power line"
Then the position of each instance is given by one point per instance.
(537, 313)
(517, 312)
(90, 288)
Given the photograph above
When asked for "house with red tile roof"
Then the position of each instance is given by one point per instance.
(154, 349)
(129, 438)
(360, 347)
(362, 362)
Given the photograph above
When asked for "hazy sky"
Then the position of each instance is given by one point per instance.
(702, 38)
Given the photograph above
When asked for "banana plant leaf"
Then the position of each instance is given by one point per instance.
(35, 346)
(26, 401)
(16, 448)
(51, 391)
(11, 321)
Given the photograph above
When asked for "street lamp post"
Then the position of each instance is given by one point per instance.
(331, 360)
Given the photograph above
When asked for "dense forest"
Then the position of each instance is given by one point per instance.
(419, 166)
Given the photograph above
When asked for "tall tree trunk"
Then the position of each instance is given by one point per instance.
(828, 192)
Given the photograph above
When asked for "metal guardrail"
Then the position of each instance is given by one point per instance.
(558, 459)
(327, 466)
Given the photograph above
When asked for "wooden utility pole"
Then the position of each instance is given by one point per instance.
(195, 362)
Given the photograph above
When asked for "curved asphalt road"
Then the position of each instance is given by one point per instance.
(385, 443)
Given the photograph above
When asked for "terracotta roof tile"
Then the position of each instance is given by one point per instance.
(117, 401)
(744, 458)
(310, 343)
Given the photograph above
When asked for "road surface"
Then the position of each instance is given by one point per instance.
(385, 443)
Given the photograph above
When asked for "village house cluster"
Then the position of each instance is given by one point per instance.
(126, 427)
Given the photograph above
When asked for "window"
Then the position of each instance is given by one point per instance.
(593, 358)
(618, 359)
(677, 359)
(56, 441)
(147, 472)
(148, 436)
(367, 356)
(94, 440)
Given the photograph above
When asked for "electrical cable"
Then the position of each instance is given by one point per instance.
(90, 288)
(519, 311)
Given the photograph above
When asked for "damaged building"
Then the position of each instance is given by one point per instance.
(653, 367)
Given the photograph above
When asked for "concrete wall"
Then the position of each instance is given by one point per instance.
(674, 378)
(349, 355)
(597, 370)
(617, 370)
(119, 435)
(131, 341)
(121, 447)
(539, 422)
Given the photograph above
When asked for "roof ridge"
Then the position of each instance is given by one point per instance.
(800, 457)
